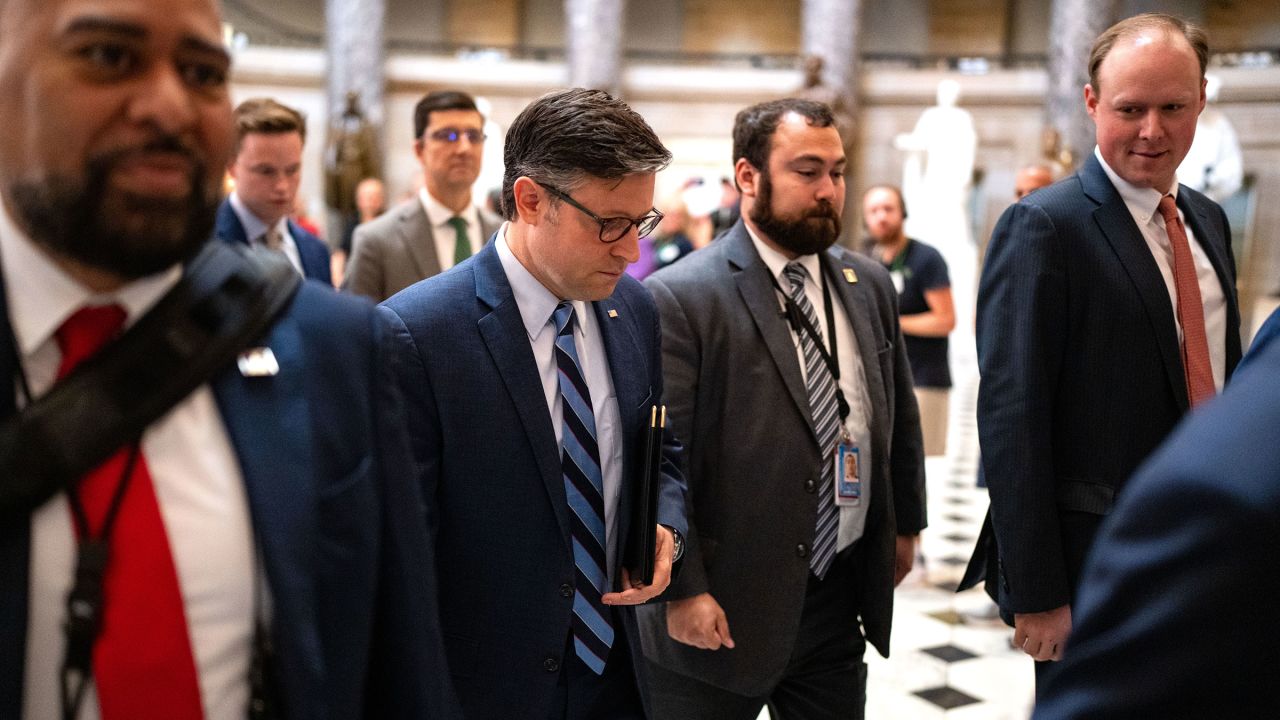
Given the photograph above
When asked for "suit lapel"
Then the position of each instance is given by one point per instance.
(278, 476)
(1116, 224)
(857, 306)
(752, 277)
(416, 234)
(504, 335)
(15, 545)
(1197, 216)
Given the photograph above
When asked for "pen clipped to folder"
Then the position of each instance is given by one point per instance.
(643, 540)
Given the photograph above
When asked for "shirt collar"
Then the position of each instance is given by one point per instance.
(535, 301)
(439, 215)
(41, 295)
(254, 228)
(1143, 203)
(777, 262)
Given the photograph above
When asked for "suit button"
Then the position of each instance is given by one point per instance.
(551, 665)
(566, 590)
(802, 550)
(810, 485)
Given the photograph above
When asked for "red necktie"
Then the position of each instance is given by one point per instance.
(1195, 344)
(142, 661)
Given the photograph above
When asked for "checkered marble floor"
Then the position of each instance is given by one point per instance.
(949, 659)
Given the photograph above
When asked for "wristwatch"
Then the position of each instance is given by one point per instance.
(679, 544)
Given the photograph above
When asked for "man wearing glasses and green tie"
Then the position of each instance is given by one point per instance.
(532, 372)
(440, 226)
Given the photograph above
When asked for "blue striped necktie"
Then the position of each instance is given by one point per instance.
(584, 488)
(821, 386)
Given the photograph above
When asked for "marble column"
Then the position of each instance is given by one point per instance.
(1074, 25)
(593, 40)
(830, 30)
(356, 53)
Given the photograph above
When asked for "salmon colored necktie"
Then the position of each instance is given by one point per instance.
(142, 660)
(1195, 344)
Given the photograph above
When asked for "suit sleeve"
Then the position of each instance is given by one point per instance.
(408, 676)
(671, 500)
(364, 274)
(680, 362)
(1021, 329)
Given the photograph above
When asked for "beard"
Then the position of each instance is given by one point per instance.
(812, 232)
(125, 234)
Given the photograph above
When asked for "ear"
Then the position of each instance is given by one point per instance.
(418, 144)
(747, 176)
(1204, 83)
(1091, 101)
(531, 204)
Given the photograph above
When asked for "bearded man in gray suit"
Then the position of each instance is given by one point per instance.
(438, 227)
(788, 382)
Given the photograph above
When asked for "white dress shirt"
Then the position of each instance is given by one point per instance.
(536, 304)
(1143, 204)
(442, 232)
(254, 229)
(198, 487)
(853, 378)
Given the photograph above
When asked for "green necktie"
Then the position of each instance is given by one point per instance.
(462, 246)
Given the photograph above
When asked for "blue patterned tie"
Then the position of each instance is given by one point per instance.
(821, 386)
(584, 487)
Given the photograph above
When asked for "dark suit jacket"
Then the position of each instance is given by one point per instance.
(335, 519)
(490, 467)
(1174, 617)
(397, 249)
(311, 249)
(740, 406)
(1081, 374)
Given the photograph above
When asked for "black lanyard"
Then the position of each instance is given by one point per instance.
(796, 318)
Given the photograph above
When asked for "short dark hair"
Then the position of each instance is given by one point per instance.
(902, 202)
(754, 127)
(267, 117)
(439, 100)
(568, 136)
(1170, 24)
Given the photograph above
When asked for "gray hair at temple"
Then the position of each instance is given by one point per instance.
(566, 137)
(754, 127)
(1129, 27)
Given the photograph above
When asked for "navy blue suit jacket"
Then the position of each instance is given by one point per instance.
(1174, 618)
(311, 249)
(1082, 374)
(336, 520)
(490, 468)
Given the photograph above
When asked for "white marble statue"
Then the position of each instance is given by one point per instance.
(1213, 165)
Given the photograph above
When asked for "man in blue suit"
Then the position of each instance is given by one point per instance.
(267, 168)
(530, 372)
(1173, 618)
(269, 515)
(1107, 308)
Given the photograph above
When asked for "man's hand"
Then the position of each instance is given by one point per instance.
(904, 557)
(698, 621)
(1043, 635)
(637, 592)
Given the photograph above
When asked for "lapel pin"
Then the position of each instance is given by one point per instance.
(613, 313)
(850, 276)
(258, 362)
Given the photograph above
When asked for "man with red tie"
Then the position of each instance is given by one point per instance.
(256, 549)
(1107, 309)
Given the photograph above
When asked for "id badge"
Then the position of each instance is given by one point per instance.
(848, 459)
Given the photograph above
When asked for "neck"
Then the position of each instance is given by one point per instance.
(456, 200)
(96, 279)
(518, 241)
(889, 250)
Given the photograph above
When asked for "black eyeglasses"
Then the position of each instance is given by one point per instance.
(612, 229)
(453, 135)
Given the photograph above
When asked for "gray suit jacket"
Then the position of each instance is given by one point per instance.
(397, 249)
(738, 403)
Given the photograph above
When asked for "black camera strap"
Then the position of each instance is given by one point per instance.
(226, 300)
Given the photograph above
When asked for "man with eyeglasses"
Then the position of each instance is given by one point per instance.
(789, 384)
(439, 227)
(531, 375)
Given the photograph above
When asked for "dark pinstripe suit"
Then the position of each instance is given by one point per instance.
(1081, 374)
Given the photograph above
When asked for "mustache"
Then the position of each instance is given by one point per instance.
(167, 143)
